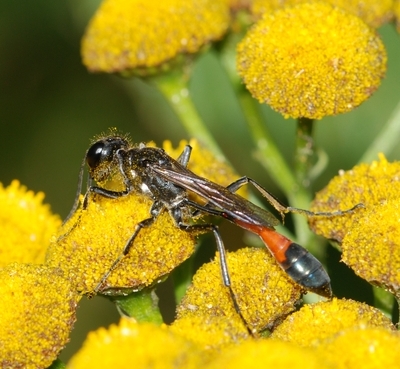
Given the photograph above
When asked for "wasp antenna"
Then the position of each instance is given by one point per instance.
(78, 192)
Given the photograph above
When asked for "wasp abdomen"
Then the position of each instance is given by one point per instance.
(305, 269)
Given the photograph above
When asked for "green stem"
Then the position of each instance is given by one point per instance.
(142, 305)
(174, 87)
(57, 364)
(383, 300)
(387, 139)
(272, 160)
(301, 197)
(276, 166)
(267, 152)
(182, 277)
(304, 151)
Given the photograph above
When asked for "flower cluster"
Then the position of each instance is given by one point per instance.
(334, 64)
(78, 255)
(368, 237)
(307, 60)
(214, 324)
(335, 334)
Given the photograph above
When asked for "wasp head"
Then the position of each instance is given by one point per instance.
(102, 159)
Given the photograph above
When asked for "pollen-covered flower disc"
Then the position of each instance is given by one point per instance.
(370, 184)
(365, 347)
(373, 12)
(26, 225)
(133, 345)
(372, 247)
(264, 292)
(87, 247)
(141, 35)
(38, 310)
(314, 323)
(311, 60)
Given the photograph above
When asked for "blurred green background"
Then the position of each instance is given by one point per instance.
(50, 107)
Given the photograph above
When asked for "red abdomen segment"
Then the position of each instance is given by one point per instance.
(296, 261)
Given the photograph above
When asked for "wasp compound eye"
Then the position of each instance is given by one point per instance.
(96, 154)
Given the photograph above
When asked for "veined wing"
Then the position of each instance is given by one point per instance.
(233, 205)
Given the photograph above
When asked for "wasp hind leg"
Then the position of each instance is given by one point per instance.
(176, 214)
(283, 209)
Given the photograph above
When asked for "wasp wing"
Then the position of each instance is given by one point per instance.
(233, 205)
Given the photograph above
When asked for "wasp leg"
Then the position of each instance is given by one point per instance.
(78, 192)
(184, 157)
(143, 224)
(99, 191)
(280, 207)
(176, 214)
(155, 211)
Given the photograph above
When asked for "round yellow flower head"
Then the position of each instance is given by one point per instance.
(88, 246)
(367, 348)
(314, 323)
(130, 344)
(26, 225)
(269, 354)
(140, 36)
(37, 314)
(210, 332)
(372, 247)
(370, 184)
(265, 294)
(373, 12)
(311, 60)
(260, 7)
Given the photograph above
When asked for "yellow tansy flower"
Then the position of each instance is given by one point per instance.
(127, 35)
(37, 314)
(373, 12)
(368, 348)
(210, 332)
(88, 250)
(26, 225)
(311, 60)
(372, 246)
(313, 323)
(260, 7)
(370, 184)
(369, 237)
(130, 344)
(265, 294)
(269, 354)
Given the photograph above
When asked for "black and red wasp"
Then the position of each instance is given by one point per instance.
(168, 183)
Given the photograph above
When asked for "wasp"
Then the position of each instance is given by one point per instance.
(169, 183)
